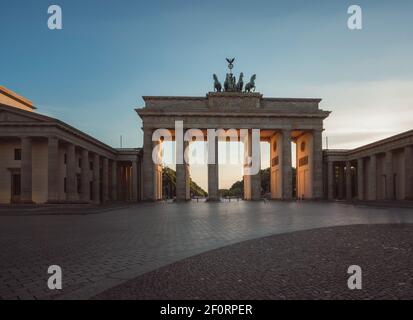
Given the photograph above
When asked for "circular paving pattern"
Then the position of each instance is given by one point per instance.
(300, 265)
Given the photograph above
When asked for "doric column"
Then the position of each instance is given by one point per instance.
(246, 164)
(256, 178)
(52, 169)
(275, 166)
(408, 176)
(85, 176)
(140, 179)
(213, 175)
(96, 178)
(252, 164)
(330, 177)
(114, 186)
(26, 170)
(105, 180)
(157, 171)
(187, 181)
(348, 181)
(340, 180)
(148, 166)
(372, 179)
(71, 190)
(388, 168)
(134, 180)
(317, 164)
(360, 179)
(287, 188)
(182, 177)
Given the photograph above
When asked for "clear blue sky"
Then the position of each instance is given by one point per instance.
(93, 73)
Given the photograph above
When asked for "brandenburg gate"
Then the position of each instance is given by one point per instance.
(279, 120)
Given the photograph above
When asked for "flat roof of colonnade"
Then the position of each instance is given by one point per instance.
(395, 142)
(232, 104)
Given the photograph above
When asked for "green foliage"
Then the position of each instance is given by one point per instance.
(237, 189)
(169, 178)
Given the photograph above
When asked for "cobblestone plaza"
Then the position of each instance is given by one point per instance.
(109, 248)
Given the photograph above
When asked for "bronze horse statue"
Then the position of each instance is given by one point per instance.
(217, 84)
(250, 85)
(230, 83)
(240, 83)
(227, 82)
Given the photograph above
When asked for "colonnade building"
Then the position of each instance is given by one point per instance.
(44, 160)
(280, 121)
(382, 170)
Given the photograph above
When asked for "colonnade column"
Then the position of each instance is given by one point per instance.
(26, 170)
(71, 190)
(372, 179)
(187, 179)
(360, 179)
(213, 174)
(348, 181)
(96, 178)
(287, 188)
(247, 163)
(408, 163)
(147, 183)
(330, 177)
(114, 186)
(340, 180)
(105, 180)
(52, 169)
(388, 168)
(317, 164)
(85, 177)
(182, 173)
(256, 178)
(134, 180)
(252, 166)
(157, 171)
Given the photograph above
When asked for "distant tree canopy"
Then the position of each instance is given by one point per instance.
(237, 189)
(169, 185)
